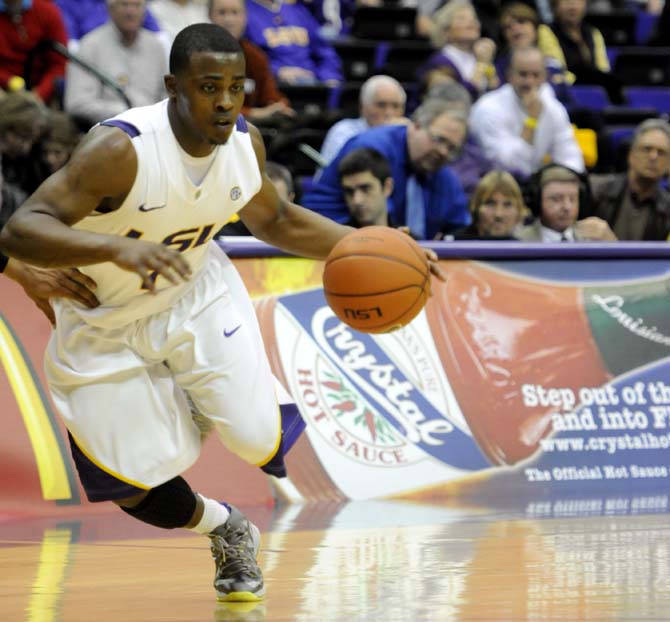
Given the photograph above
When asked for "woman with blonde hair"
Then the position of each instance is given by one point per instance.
(462, 53)
(497, 207)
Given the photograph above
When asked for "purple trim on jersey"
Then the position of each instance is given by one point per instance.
(241, 124)
(98, 484)
(128, 128)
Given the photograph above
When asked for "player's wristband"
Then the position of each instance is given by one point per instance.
(3, 262)
(490, 71)
(530, 123)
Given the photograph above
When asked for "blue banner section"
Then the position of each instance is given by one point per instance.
(618, 436)
(360, 358)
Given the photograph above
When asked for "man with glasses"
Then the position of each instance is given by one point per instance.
(522, 124)
(634, 202)
(427, 196)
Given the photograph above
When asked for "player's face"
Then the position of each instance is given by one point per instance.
(229, 14)
(365, 197)
(208, 97)
(497, 215)
(432, 147)
(560, 204)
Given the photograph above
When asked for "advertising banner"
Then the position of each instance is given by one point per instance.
(537, 376)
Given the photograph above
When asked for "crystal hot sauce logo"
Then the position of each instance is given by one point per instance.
(390, 396)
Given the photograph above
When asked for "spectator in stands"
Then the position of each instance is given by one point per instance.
(282, 179)
(128, 53)
(83, 16)
(427, 195)
(519, 24)
(522, 123)
(263, 102)
(497, 208)
(365, 178)
(557, 193)
(462, 52)
(634, 203)
(289, 35)
(578, 47)
(23, 118)
(472, 163)
(26, 28)
(381, 101)
(173, 15)
(58, 141)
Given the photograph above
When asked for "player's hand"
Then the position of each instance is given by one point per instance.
(151, 259)
(431, 257)
(41, 284)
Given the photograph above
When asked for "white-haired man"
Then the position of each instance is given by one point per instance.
(122, 49)
(381, 102)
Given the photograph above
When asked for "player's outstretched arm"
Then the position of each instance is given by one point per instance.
(286, 225)
(101, 172)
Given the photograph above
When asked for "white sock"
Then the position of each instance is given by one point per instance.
(215, 514)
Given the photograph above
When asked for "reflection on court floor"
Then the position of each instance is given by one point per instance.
(560, 559)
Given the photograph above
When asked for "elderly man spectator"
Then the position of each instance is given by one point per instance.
(381, 101)
(522, 124)
(472, 164)
(289, 34)
(634, 203)
(558, 207)
(26, 29)
(173, 15)
(427, 196)
(82, 16)
(128, 53)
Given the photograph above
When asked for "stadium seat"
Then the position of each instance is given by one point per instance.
(358, 57)
(384, 22)
(656, 97)
(591, 96)
(616, 26)
(644, 26)
(637, 66)
(401, 59)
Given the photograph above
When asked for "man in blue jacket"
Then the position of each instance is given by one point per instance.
(427, 196)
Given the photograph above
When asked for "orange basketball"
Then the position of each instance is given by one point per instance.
(376, 279)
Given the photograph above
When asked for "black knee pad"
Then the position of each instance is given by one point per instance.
(169, 505)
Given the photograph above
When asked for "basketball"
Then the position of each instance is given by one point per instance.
(376, 279)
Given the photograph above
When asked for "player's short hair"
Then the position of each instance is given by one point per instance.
(200, 38)
(362, 160)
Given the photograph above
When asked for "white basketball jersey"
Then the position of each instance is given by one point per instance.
(165, 206)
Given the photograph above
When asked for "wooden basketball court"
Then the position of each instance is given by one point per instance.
(583, 559)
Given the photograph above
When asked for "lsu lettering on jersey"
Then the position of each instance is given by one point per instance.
(165, 206)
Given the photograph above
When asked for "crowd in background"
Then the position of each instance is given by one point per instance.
(487, 139)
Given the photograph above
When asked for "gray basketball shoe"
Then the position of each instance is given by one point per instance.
(235, 545)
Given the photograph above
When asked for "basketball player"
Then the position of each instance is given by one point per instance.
(136, 207)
